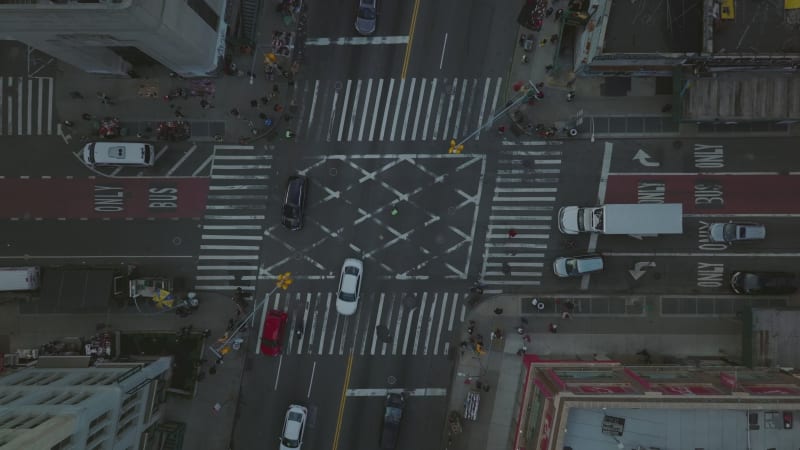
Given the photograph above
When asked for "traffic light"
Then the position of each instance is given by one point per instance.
(455, 148)
(284, 280)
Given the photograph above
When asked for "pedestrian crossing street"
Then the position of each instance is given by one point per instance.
(524, 201)
(234, 220)
(389, 109)
(421, 324)
(26, 106)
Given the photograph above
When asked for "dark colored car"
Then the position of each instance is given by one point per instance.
(294, 204)
(763, 283)
(392, 416)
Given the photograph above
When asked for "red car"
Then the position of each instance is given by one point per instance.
(272, 334)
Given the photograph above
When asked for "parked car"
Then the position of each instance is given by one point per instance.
(366, 16)
(272, 332)
(576, 266)
(764, 283)
(349, 286)
(294, 204)
(392, 416)
(736, 231)
(293, 427)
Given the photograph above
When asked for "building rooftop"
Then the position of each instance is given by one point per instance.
(759, 28)
(654, 27)
(679, 428)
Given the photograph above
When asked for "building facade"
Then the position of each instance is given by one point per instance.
(113, 406)
(115, 36)
(602, 405)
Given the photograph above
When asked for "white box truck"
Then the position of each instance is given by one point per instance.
(639, 219)
(19, 279)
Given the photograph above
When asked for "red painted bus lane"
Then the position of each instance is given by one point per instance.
(52, 198)
(713, 194)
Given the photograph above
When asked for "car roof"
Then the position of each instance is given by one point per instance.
(351, 271)
(273, 323)
(295, 417)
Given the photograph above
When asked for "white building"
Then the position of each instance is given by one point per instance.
(114, 36)
(109, 406)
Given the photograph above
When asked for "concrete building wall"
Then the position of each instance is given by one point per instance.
(95, 407)
(84, 34)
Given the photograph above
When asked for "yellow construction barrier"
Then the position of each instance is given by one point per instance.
(791, 4)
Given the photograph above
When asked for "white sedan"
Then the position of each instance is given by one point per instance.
(349, 286)
(293, 426)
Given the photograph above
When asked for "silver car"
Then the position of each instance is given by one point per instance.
(367, 16)
(733, 231)
(576, 266)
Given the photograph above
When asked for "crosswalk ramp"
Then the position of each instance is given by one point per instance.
(395, 110)
(420, 324)
(233, 225)
(521, 218)
(26, 106)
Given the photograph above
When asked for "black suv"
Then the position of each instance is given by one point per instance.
(392, 415)
(294, 204)
(763, 283)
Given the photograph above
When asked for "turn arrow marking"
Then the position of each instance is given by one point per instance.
(638, 269)
(644, 159)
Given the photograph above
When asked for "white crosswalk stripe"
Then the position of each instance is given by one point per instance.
(523, 201)
(26, 106)
(233, 226)
(414, 109)
(425, 326)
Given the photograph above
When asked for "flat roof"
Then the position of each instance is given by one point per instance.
(681, 428)
(759, 27)
(654, 27)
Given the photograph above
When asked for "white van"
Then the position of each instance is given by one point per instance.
(136, 154)
(19, 278)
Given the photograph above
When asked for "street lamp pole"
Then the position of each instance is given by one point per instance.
(284, 280)
(524, 96)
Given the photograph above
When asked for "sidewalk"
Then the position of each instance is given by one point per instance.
(595, 97)
(579, 338)
(140, 103)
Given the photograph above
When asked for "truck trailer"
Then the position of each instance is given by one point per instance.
(638, 219)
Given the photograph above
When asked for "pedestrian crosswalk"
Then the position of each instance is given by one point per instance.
(26, 106)
(233, 224)
(412, 109)
(419, 324)
(521, 218)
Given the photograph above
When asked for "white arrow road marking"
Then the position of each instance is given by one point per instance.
(639, 267)
(644, 159)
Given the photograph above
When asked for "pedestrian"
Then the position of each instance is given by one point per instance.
(235, 112)
(205, 104)
(570, 96)
(522, 350)
(553, 38)
(526, 338)
(178, 113)
(289, 134)
(395, 211)
(265, 100)
(553, 328)
(506, 268)
(277, 108)
(543, 43)
(524, 58)
(68, 123)
(548, 12)
(520, 330)
(559, 13)
(540, 85)
(548, 68)
(275, 89)
(565, 315)
(76, 95)
(501, 129)
(498, 311)
(86, 116)
(512, 232)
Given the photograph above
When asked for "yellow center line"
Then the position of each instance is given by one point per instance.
(410, 42)
(342, 401)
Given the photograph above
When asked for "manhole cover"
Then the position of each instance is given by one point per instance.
(332, 171)
(176, 241)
